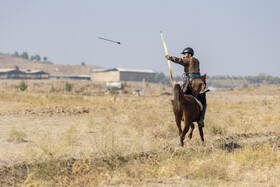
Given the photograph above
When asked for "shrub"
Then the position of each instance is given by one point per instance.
(113, 90)
(52, 89)
(68, 87)
(22, 86)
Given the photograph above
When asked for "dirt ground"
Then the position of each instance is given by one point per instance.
(36, 124)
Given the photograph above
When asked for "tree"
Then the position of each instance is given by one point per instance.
(24, 55)
(16, 54)
(45, 58)
(36, 58)
(32, 58)
(83, 63)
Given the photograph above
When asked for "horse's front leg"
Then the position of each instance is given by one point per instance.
(191, 133)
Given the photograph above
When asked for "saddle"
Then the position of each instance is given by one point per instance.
(200, 96)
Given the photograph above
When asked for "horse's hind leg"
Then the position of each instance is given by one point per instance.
(191, 133)
(185, 130)
(178, 119)
(201, 133)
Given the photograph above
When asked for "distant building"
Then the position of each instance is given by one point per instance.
(36, 74)
(119, 74)
(15, 73)
(12, 73)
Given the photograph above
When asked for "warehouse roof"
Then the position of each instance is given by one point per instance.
(26, 71)
(123, 70)
(7, 70)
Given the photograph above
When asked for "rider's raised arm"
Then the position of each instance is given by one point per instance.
(182, 61)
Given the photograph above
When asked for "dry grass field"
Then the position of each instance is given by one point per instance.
(51, 137)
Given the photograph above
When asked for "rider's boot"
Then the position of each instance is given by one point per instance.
(202, 114)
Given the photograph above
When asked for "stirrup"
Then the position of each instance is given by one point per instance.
(204, 91)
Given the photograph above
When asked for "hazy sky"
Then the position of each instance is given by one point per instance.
(237, 37)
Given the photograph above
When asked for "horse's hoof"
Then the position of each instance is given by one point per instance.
(182, 144)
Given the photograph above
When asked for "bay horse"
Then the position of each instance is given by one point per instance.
(186, 107)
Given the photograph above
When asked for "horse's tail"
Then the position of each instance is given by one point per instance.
(178, 97)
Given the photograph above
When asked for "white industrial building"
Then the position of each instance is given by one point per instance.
(119, 74)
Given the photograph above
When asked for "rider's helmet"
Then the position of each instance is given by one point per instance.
(188, 50)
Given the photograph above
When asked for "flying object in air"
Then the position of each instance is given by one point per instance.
(109, 40)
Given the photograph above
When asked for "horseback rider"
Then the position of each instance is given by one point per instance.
(193, 78)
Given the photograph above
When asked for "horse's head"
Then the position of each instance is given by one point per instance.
(204, 78)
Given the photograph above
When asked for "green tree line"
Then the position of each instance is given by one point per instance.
(34, 58)
(225, 81)
(261, 78)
